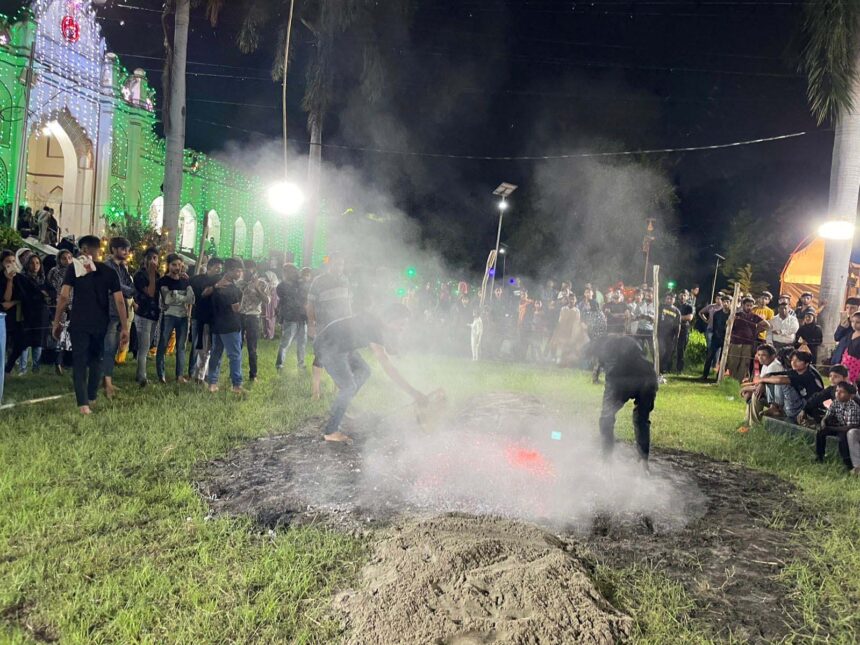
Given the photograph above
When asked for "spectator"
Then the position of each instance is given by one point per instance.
(95, 286)
(645, 314)
(763, 311)
(744, 334)
(851, 355)
(814, 410)
(668, 330)
(203, 285)
(270, 311)
(177, 298)
(10, 283)
(844, 414)
(227, 326)
(809, 334)
(147, 310)
(687, 313)
(120, 249)
(798, 384)
(705, 314)
(757, 394)
(616, 313)
(36, 298)
(853, 440)
(55, 279)
(783, 326)
(718, 322)
(255, 295)
(843, 332)
(804, 302)
(292, 295)
(595, 325)
(328, 300)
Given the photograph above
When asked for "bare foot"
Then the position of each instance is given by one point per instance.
(239, 390)
(213, 388)
(182, 379)
(338, 437)
(110, 391)
(85, 409)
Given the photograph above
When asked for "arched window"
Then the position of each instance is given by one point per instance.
(214, 227)
(156, 213)
(239, 237)
(257, 241)
(187, 228)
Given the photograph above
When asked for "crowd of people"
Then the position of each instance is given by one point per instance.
(97, 313)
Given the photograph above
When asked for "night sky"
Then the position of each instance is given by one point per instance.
(537, 77)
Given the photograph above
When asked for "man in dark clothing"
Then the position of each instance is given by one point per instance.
(629, 375)
(120, 249)
(687, 312)
(227, 326)
(745, 333)
(337, 348)
(203, 284)
(94, 286)
(843, 332)
(147, 310)
(719, 322)
(329, 299)
(616, 312)
(668, 329)
(292, 294)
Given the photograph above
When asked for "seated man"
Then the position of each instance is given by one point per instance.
(336, 347)
(757, 394)
(796, 385)
(843, 415)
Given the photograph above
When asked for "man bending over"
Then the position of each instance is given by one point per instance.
(336, 346)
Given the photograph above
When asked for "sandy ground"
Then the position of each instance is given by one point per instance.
(722, 531)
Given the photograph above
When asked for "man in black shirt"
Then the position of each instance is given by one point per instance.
(227, 326)
(120, 249)
(337, 347)
(687, 313)
(629, 375)
(147, 310)
(203, 285)
(668, 329)
(616, 312)
(719, 323)
(95, 286)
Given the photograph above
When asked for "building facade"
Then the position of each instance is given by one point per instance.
(80, 137)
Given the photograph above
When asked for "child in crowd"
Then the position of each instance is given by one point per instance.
(843, 415)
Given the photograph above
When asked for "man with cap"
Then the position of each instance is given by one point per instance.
(763, 310)
(803, 303)
(745, 330)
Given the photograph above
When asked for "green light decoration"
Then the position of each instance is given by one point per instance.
(670, 285)
(401, 292)
(411, 272)
(136, 163)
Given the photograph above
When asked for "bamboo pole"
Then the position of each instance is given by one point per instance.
(727, 341)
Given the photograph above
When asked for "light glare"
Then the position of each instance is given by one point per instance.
(503, 205)
(285, 197)
(836, 230)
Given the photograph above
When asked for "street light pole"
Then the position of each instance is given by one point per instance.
(504, 191)
(716, 268)
(284, 89)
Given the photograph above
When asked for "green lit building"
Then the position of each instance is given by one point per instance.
(82, 139)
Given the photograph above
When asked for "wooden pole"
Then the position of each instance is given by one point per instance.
(655, 337)
(201, 255)
(724, 355)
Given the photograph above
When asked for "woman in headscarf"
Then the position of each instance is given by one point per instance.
(36, 297)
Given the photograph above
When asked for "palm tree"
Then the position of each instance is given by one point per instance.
(830, 58)
(326, 21)
(173, 83)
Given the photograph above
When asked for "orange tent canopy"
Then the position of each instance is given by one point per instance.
(803, 270)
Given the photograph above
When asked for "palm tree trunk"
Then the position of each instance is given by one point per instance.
(314, 169)
(844, 193)
(175, 125)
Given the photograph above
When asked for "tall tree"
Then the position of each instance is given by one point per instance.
(327, 21)
(173, 83)
(830, 58)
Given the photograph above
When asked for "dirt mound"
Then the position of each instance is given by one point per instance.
(465, 580)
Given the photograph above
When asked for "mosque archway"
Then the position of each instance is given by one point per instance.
(239, 232)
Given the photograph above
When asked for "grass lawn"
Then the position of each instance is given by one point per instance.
(104, 539)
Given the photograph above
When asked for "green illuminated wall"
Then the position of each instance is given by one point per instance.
(137, 162)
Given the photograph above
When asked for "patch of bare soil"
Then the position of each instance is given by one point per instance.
(724, 532)
(459, 580)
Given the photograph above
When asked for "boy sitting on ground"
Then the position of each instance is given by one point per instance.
(814, 410)
(844, 414)
(757, 394)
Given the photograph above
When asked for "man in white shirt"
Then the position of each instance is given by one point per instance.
(783, 326)
(756, 394)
